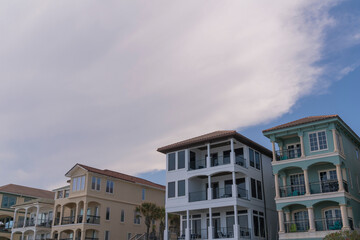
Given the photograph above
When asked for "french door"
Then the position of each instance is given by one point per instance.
(328, 180)
(333, 219)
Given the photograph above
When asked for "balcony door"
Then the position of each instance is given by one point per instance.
(192, 160)
(294, 151)
(297, 183)
(301, 221)
(333, 219)
(328, 181)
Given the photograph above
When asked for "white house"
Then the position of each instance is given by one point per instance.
(217, 176)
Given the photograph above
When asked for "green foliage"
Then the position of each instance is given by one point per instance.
(150, 212)
(343, 235)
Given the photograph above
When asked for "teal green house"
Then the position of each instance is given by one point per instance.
(316, 166)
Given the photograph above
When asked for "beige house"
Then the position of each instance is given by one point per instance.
(11, 195)
(100, 204)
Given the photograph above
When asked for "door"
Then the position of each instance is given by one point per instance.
(301, 221)
(228, 188)
(192, 160)
(297, 183)
(226, 157)
(214, 159)
(239, 157)
(215, 190)
(216, 226)
(294, 151)
(328, 181)
(333, 219)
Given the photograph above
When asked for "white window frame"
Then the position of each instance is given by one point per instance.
(96, 181)
(78, 183)
(318, 144)
(295, 148)
(113, 186)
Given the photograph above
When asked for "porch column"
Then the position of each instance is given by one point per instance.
(83, 233)
(248, 187)
(61, 214)
(302, 146)
(26, 210)
(281, 221)
(37, 216)
(335, 140)
(339, 177)
(277, 189)
(15, 221)
(232, 152)
(208, 158)
(236, 225)
(12, 236)
(311, 219)
(35, 234)
(273, 151)
(209, 188)
(344, 217)
(76, 213)
(166, 225)
(85, 212)
(22, 236)
(234, 192)
(287, 216)
(210, 229)
(307, 185)
(187, 230)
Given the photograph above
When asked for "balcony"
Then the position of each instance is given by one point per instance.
(288, 154)
(29, 223)
(324, 186)
(218, 193)
(224, 232)
(68, 220)
(93, 219)
(242, 193)
(198, 164)
(292, 190)
(297, 226)
(222, 192)
(197, 196)
(327, 224)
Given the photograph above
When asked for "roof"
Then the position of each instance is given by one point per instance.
(27, 191)
(301, 121)
(214, 137)
(37, 200)
(118, 175)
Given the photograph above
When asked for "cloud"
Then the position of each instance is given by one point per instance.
(106, 83)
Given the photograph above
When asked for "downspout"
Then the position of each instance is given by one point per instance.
(263, 191)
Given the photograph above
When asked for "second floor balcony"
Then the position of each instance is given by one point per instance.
(288, 154)
(218, 193)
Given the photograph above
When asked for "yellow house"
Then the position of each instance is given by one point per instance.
(100, 204)
(11, 195)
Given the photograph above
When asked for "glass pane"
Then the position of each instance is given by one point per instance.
(171, 163)
(322, 140)
(181, 159)
(313, 142)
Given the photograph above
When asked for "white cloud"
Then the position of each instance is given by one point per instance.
(106, 83)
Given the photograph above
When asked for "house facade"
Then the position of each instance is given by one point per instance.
(317, 176)
(221, 185)
(100, 204)
(11, 195)
(38, 221)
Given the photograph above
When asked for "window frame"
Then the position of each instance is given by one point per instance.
(107, 214)
(122, 216)
(173, 195)
(178, 159)
(97, 183)
(109, 186)
(143, 194)
(318, 142)
(178, 187)
(168, 162)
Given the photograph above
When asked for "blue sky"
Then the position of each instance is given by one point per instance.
(107, 84)
(337, 92)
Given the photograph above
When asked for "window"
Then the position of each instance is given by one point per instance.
(122, 216)
(95, 183)
(171, 189)
(318, 141)
(171, 161)
(109, 186)
(107, 213)
(60, 194)
(259, 224)
(328, 180)
(256, 189)
(143, 194)
(251, 157)
(8, 201)
(129, 236)
(136, 217)
(67, 192)
(339, 142)
(181, 188)
(78, 183)
(297, 183)
(255, 158)
(181, 159)
(107, 233)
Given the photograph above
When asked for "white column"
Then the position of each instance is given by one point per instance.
(247, 184)
(208, 158)
(234, 192)
(250, 218)
(187, 157)
(15, 221)
(344, 217)
(307, 185)
(277, 189)
(85, 212)
(281, 221)
(232, 152)
(22, 236)
(166, 226)
(287, 215)
(302, 146)
(274, 151)
(37, 216)
(12, 236)
(209, 188)
(26, 210)
(187, 230)
(339, 177)
(311, 219)
(35, 234)
(236, 225)
(335, 140)
(76, 213)
(210, 229)
(61, 214)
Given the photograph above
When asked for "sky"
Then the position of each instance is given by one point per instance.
(107, 83)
